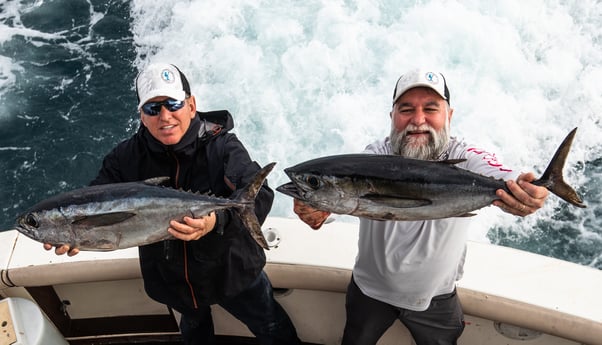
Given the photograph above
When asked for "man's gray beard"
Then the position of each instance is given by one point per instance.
(431, 151)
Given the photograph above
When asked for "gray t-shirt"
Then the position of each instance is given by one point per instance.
(407, 263)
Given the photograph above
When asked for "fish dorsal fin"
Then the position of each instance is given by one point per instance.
(103, 219)
(452, 161)
(395, 201)
(156, 181)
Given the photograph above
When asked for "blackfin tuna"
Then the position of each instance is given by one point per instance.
(390, 187)
(121, 215)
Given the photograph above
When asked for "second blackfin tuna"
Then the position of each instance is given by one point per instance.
(390, 187)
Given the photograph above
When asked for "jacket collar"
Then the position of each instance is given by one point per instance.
(205, 125)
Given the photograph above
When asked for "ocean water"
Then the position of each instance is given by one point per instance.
(308, 79)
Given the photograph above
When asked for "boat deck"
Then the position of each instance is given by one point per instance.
(508, 295)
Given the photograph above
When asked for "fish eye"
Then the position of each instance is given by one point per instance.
(31, 220)
(313, 182)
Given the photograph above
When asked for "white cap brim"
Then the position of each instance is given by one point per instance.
(171, 93)
(420, 78)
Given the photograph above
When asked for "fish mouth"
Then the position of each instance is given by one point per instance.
(291, 190)
(23, 228)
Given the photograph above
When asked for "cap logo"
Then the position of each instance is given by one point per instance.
(167, 76)
(432, 77)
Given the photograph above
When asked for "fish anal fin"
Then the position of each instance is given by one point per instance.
(103, 219)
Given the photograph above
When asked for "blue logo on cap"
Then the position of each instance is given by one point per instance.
(167, 76)
(431, 77)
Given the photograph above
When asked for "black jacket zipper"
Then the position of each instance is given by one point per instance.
(177, 185)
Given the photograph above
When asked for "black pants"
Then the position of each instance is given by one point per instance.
(255, 307)
(368, 319)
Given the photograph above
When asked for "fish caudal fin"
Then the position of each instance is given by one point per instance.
(247, 197)
(553, 179)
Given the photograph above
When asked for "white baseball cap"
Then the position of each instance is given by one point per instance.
(161, 79)
(421, 78)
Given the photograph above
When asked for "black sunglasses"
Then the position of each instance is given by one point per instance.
(154, 108)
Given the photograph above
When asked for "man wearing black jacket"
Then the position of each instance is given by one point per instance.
(214, 259)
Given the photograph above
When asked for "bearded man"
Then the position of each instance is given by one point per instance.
(407, 270)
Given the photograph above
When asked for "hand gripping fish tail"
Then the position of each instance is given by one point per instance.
(552, 177)
(247, 197)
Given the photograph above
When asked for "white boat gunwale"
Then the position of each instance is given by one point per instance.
(568, 320)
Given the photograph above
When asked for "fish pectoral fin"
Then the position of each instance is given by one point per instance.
(103, 219)
(469, 214)
(396, 202)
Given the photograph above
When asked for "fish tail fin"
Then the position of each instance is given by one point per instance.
(247, 197)
(553, 178)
